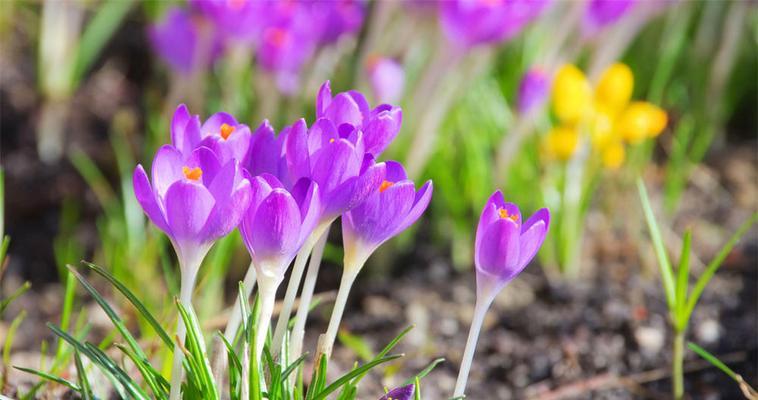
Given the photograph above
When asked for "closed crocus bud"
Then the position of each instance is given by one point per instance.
(387, 79)
(614, 89)
(337, 161)
(379, 125)
(602, 13)
(640, 121)
(532, 90)
(266, 153)
(390, 209)
(221, 133)
(572, 95)
(194, 200)
(561, 142)
(402, 393)
(505, 244)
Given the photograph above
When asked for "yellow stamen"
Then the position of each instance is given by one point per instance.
(192, 174)
(226, 130)
(276, 36)
(331, 140)
(504, 214)
(385, 185)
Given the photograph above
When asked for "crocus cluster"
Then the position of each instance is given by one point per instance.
(284, 35)
(282, 191)
(607, 115)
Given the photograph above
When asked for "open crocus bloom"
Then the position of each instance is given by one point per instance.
(504, 246)
(221, 133)
(182, 42)
(387, 79)
(345, 174)
(195, 200)
(238, 19)
(379, 125)
(277, 223)
(402, 393)
(468, 23)
(390, 209)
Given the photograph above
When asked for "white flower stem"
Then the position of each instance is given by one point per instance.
(480, 310)
(298, 329)
(189, 274)
(348, 278)
(267, 297)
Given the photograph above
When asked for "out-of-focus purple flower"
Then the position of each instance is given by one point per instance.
(390, 209)
(337, 161)
(387, 79)
(235, 19)
(401, 393)
(266, 153)
(379, 126)
(504, 246)
(468, 23)
(338, 17)
(601, 13)
(221, 133)
(183, 41)
(194, 200)
(277, 223)
(532, 90)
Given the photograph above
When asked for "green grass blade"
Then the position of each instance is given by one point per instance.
(423, 372)
(664, 264)
(391, 345)
(712, 359)
(715, 264)
(682, 279)
(153, 378)
(52, 378)
(356, 344)
(9, 336)
(18, 292)
(81, 375)
(344, 379)
(195, 344)
(135, 302)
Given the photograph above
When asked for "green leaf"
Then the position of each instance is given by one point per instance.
(135, 302)
(153, 378)
(715, 264)
(18, 292)
(682, 281)
(195, 344)
(344, 379)
(423, 372)
(81, 375)
(712, 359)
(52, 378)
(10, 335)
(664, 264)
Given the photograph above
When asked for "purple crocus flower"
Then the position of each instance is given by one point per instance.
(183, 41)
(532, 90)
(401, 393)
(504, 246)
(266, 153)
(468, 23)
(195, 200)
(387, 79)
(338, 17)
(277, 223)
(337, 161)
(379, 125)
(234, 19)
(601, 13)
(389, 210)
(221, 133)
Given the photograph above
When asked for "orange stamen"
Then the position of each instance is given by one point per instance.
(226, 130)
(276, 36)
(331, 140)
(385, 185)
(192, 174)
(504, 214)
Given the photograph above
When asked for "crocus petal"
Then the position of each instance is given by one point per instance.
(402, 393)
(376, 219)
(259, 189)
(264, 151)
(184, 137)
(307, 195)
(498, 253)
(533, 233)
(361, 101)
(323, 99)
(334, 164)
(488, 216)
(395, 171)
(228, 212)
(206, 160)
(212, 125)
(298, 157)
(146, 198)
(352, 192)
(321, 133)
(166, 169)
(188, 206)
(344, 110)
(275, 227)
(420, 203)
(382, 130)
(512, 211)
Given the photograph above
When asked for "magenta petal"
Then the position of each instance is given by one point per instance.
(488, 216)
(321, 133)
(499, 251)
(264, 152)
(323, 99)
(228, 213)
(188, 206)
(296, 145)
(395, 171)
(146, 198)
(360, 100)
(223, 183)
(275, 230)
(335, 163)
(166, 169)
(344, 110)
(307, 195)
(420, 203)
(382, 130)
(377, 218)
(532, 235)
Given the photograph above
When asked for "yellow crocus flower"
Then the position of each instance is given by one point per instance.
(641, 120)
(572, 95)
(561, 142)
(614, 90)
(613, 155)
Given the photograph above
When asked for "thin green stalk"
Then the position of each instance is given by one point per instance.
(677, 362)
